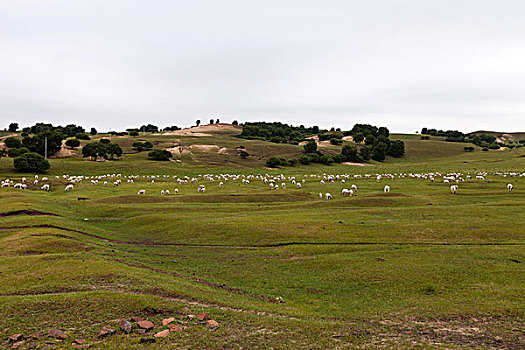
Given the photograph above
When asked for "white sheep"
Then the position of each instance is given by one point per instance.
(387, 189)
(327, 196)
(141, 192)
(162, 192)
(176, 191)
(509, 187)
(68, 187)
(299, 185)
(454, 189)
(45, 187)
(354, 188)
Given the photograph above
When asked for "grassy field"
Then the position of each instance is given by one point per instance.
(417, 267)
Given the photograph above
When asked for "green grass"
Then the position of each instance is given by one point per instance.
(418, 267)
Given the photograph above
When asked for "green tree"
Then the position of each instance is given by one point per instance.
(93, 131)
(379, 151)
(359, 137)
(310, 146)
(82, 136)
(104, 141)
(134, 133)
(31, 162)
(396, 149)
(12, 142)
(159, 154)
(13, 127)
(114, 150)
(365, 153)
(349, 154)
(72, 143)
(273, 162)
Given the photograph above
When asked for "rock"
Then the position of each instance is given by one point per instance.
(147, 340)
(54, 332)
(38, 335)
(162, 334)
(212, 323)
(498, 339)
(80, 341)
(167, 321)
(380, 259)
(174, 328)
(61, 336)
(191, 317)
(125, 326)
(146, 324)
(16, 337)
(81, 346)
(136, 319)
(17, 344)
(141, 331)
(202, 316)
(106, 331)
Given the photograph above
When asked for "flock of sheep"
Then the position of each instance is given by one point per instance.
(274, 182)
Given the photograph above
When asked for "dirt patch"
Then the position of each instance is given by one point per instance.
(65, 151)
(348, 138)
(205, 148)
(202, 131)
(321, 144)
(357, 164)
(28, 212)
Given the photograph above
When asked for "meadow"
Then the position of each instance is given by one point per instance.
(418, 267)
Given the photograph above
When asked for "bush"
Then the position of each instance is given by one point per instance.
(335, 141)
(159, 154)
(292, 162)
(396, 149)
(93, 131)
(359, 137)
(31, 162)
(72, 143)
(134, 133)
(485, 149)
(310, 146)
(104, 141)
(304, 160)
(425, 137)
(379, 151)
(12, 142)
(82, 136)
(273, 162)
(469, 149)
(314, 157)
(244, 154)
(16, 152)
(327, 160)
(494, 146)
(349, 154)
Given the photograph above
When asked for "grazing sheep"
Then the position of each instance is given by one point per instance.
(68, 187)
(45, 187)
(141, 192)
(509, 187)
(176, 191)
(320, 195)
(328, 196)
(299, 185)
(387, 189)
(354, 188)
(454, 189)
(167, 192)
(283, 185)
(162, 192)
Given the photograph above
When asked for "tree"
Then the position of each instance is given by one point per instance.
(94, 150)
(370, 140)
(134, 133)
(304, 159)
(82, 136)
(104, 141)
(72, 143)
(396, 149)
(244, 154)
(198, 122)
(365, 153)
(113, 150)
(315, 129)
(93, 131)
(310, 146)
(217, 121)
(31, 162)
(359, 137)
(235, 122)
(379, 151)
(12, 142)
(16, 152)
(469, 149)
(13, 127)
(335, 141)
(211, 121)
(383, 131)
(349, 154)
(273, 162)
(327, 160)
(159, 154)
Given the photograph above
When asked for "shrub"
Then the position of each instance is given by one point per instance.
(468, 149)
(359, 137)
(31, 162)
(292, 162)
(104, 141)
(82, 136)
(159, 154)
(349, 154)
(335, 141)
(494, 146)
(304, 159)
(244, 154)
(134, 133)
(425, 137)
(379, 151)
(72, 143)
(12, 142)
(485, 149)
(310, 146)
(93, 131)
(396, 149)
(327, 160)
(273, 162)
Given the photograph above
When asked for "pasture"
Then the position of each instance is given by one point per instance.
(418, 267)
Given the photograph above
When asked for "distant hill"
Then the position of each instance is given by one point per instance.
(503, 136)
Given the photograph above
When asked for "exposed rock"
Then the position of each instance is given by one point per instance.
(203, 316)
(140, 331)
(80, 341)
(61, 336)
(17, 344)
(174, 328)
(106, 331)
(147, 340)
(136, 319)
(191, 317)
(38, 335)
(54, 332)
(212, 323)
(380, 259)
(16, 337)
(167, 321)
(162, 334)
(125, 325)
(146, 324)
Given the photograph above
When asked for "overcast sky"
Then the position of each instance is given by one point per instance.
(404, 64)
